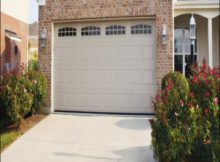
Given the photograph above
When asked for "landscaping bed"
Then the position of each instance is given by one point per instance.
(22, 94)
(9, 134)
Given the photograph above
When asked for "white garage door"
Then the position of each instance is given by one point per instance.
(104, 66)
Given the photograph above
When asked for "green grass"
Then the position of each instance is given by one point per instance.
(7, 138)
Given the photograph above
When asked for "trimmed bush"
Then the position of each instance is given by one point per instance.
(171, 136)
(175, 87)
(186, 124)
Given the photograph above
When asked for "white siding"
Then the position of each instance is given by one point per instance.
(197, 1)
(16, 8)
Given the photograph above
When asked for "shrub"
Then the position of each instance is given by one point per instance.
(171, 136)
(21, 94)
(204, 86)
(186, 124)
(175, 87)
(14, 98)
(33, 65)
(38, 88)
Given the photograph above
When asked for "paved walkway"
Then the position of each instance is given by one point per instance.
(84, 138)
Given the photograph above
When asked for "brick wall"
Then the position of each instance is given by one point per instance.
(65, 10)
(21, 29)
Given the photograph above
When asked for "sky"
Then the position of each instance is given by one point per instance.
(33, 11)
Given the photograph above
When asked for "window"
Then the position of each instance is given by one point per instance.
(90, 31)
(141, 29)
(115, 30)
(16, 49)
(67, 32)
(182, 50)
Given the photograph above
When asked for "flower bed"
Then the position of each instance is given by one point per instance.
(186, 126)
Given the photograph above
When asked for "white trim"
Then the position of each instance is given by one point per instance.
(52, 68)
(210, 53)
(207, 13)
(13, 37)
(41, 2)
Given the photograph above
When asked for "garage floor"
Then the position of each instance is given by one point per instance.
(84, 138)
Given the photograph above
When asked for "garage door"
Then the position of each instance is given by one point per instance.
(104, 66)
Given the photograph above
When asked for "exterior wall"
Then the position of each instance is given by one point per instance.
(21, 29)
(216, 37)
(16, 8)
(67, 10)
(202, 33)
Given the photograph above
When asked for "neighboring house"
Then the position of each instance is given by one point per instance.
(206, 13)
(33, 39)
(110, 56)
(14, 34)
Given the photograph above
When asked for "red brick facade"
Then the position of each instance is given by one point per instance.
(7, 54)
(67, 10)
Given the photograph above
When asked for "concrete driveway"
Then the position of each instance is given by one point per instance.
(84, 138)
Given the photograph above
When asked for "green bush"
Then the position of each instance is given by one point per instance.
(15, 100)
(33, 65)
(21, 94)
(171, 136)
(38, 88)
(186, 124)
(176, 84)
(204, 86)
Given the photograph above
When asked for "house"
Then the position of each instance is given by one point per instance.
(206, 14)
(110, 56)
(33, 39)
(14, 34)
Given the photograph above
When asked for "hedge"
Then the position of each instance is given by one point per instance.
(21, 94)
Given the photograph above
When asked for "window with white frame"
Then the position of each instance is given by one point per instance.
(115, 30)
(90, 31)
(141, 29)
(66, 32)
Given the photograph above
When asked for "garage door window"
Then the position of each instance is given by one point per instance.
(115, 30)
(66, 32)
(141, 29)
(90, 31)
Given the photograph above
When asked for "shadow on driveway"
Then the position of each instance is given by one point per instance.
(134, 124)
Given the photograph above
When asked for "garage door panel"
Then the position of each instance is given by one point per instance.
(137, 77)
(149, 77)
(98, 77)
(73, 77)
(61, 77)
(110, 101)
(105, 89)
(149, 53)
(73, 100)
(104, 73)
(66, 55)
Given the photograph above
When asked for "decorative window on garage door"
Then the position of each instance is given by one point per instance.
(115, 30)
(66, 32)
(90, 31)
(141, 29)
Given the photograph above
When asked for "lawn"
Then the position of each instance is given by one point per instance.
(7, 138)
(12, 132)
